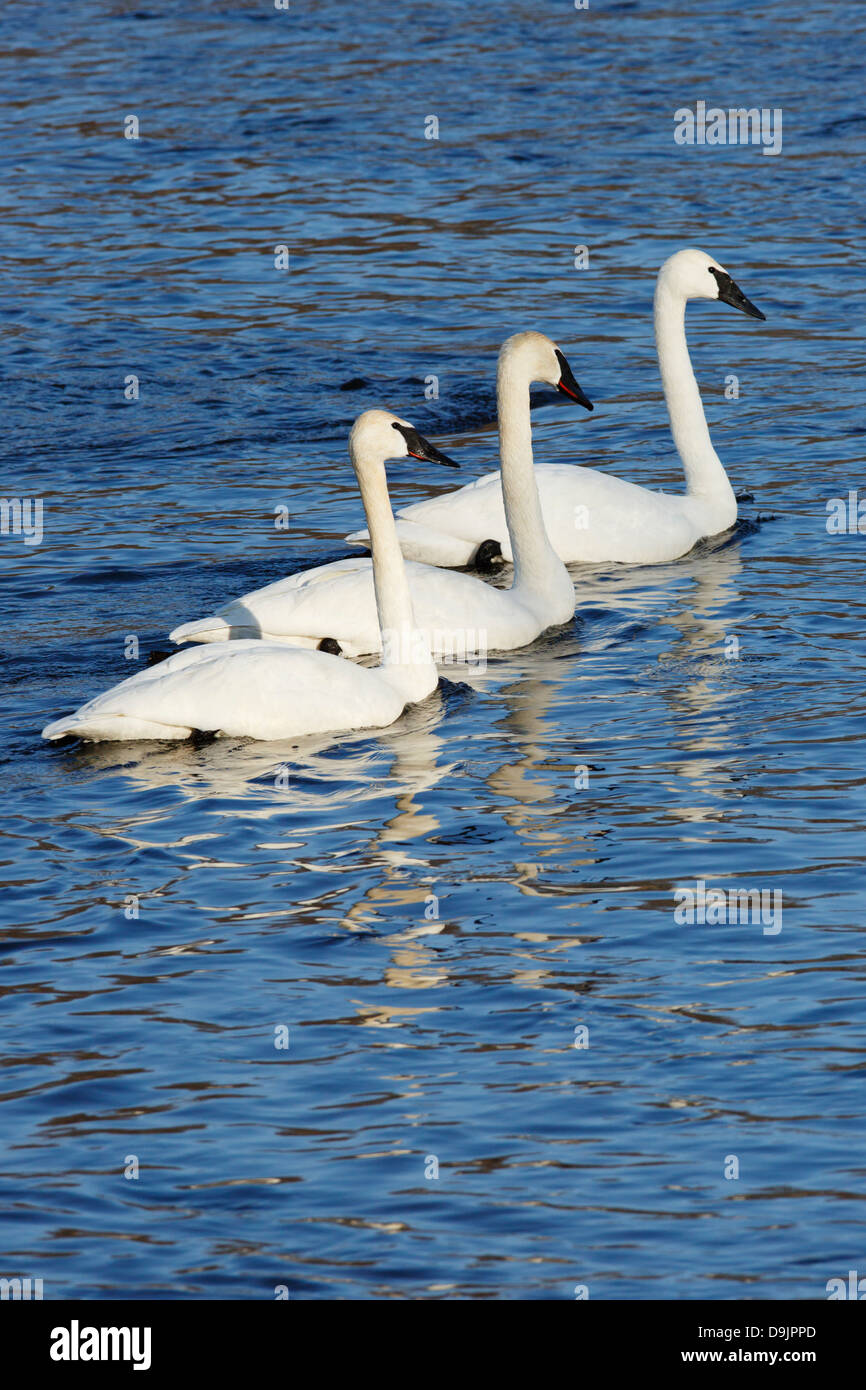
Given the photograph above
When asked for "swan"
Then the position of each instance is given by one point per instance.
(592, 516)
(266, 690)
(460, 615)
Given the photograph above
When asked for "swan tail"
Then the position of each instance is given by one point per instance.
(211, 629)
(426, 545)
(60, 728)
(114, 728)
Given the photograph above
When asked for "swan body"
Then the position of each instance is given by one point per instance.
(338, 601)
(266, 690)
(592, 516)
(650, 527)
(458, 614)
(252, 689)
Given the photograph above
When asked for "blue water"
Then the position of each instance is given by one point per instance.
(431, 912)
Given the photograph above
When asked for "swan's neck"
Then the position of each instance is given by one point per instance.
(705, 475)
(406, 659)
(538, 570)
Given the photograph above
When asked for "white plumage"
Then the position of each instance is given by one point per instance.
(457, 613)
(266, 690)
(338, 601)
(592, 516)
(262, 690)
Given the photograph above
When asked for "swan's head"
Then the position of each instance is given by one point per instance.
(694, 275)
(377, 436)
(541, 360)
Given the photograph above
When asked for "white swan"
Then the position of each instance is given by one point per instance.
(459, 614)
(592, 516)
(266, 690)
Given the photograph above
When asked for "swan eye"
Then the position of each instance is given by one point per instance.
(406, 431)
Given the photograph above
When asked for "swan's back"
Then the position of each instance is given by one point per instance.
(249, 689)
(589, 516)
(463, 509)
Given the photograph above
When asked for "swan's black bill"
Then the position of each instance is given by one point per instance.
(730, 293)
(418, 447)
(568, 384)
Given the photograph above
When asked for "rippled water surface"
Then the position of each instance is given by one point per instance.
(431, 912)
